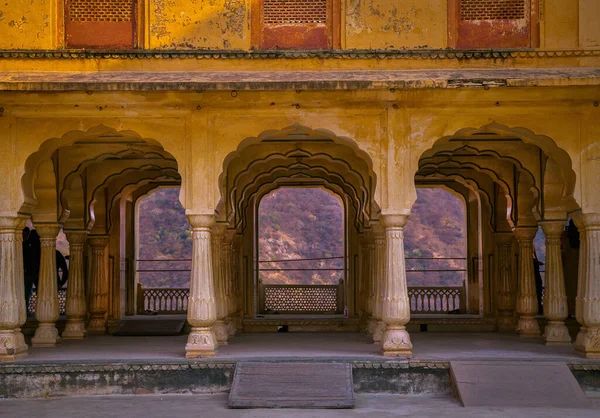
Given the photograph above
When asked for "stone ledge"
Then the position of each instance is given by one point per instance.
(296, 80)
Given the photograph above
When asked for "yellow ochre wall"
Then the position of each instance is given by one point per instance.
(225, 24)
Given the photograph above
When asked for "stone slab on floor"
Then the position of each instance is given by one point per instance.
(516, 384)
(292, 385)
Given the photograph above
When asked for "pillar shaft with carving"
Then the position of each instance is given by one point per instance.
(379, 239)
(219, 276)
(371, 289)
(230, 267)
(47, 310)
(527, 305)
(396, 304)
(76, 308)
(588, 287)
(98, 284)
(202, 312)
(12, 290)
(555, 297)
(505, 291)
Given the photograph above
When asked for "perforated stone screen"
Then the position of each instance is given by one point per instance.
(281, 12)
(301, 299)
(492, 9)
(100, 10)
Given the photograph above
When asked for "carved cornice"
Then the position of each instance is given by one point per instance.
(429, 54)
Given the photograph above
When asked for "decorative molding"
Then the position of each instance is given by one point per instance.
(430, 54)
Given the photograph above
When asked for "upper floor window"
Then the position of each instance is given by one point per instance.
(493, 23)
(101, 24)
(296, 24)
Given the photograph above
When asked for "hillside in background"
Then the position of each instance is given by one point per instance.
(303, 223)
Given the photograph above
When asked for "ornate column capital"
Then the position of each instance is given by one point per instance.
(98, 242)
(76, 236)
(394, 221)
(504, 239)
(201, 221)
(525, 233)
(12, 223)
(553, 228)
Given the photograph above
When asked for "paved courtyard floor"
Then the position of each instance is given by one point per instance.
(215, 406)
(319, 346)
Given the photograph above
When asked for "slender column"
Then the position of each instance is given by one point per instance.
(555, 297)
(98, 285)
(527, 306)
(505, 291)
(46, 311)
(588, 288)
(379, 235)
(201, 306)
(76, 304)
(12, 290)
(219, 262)
(396, 305)
(230, 272)
(364, 279)
(371, 286)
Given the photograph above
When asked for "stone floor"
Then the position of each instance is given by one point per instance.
(347, 346)
(214, 406)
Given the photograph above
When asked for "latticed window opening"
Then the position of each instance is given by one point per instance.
(281, 12)
(301, 298)
(100, 10)
(492, 9)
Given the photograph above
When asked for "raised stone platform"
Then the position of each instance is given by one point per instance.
(131, 365)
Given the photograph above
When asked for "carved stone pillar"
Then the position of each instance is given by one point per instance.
(46, 311)
(371, 286)
(76, 305)
(201, 306)
(505, 291)
(555, 297)
(527, 306)
(219, 277)
(363, 282)
(379, 235)
(230, 274)
(98, 285)
(588, 288)
(396, 305)
(12, 290)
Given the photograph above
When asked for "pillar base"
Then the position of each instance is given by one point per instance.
(371, 326)
(378, 331)
(46, 335)
(22, 347)
(74, 330)
(10, 349)
(201, 343)
(221, 332)
(97, 325)
(396, 342)
(556, 333)
(506, 324)
(528, 327)
(587, 343)
(231, 330)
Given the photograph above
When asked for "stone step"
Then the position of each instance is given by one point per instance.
(292, 385)
(516, 384)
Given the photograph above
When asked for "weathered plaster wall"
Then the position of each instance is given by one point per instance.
(589, 28)
(206, 24)
(560, 24)
(26, 24)
(390, 24)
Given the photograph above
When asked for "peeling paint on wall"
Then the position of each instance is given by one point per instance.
(210, 24)
(25, 24)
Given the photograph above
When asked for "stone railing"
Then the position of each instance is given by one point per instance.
(295, 299)
(62, 301)
(436, 300)
(162, 300)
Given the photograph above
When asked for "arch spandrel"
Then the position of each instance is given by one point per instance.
(296, 150)
(109, 138)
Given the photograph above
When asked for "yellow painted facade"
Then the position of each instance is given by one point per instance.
(516, 132)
